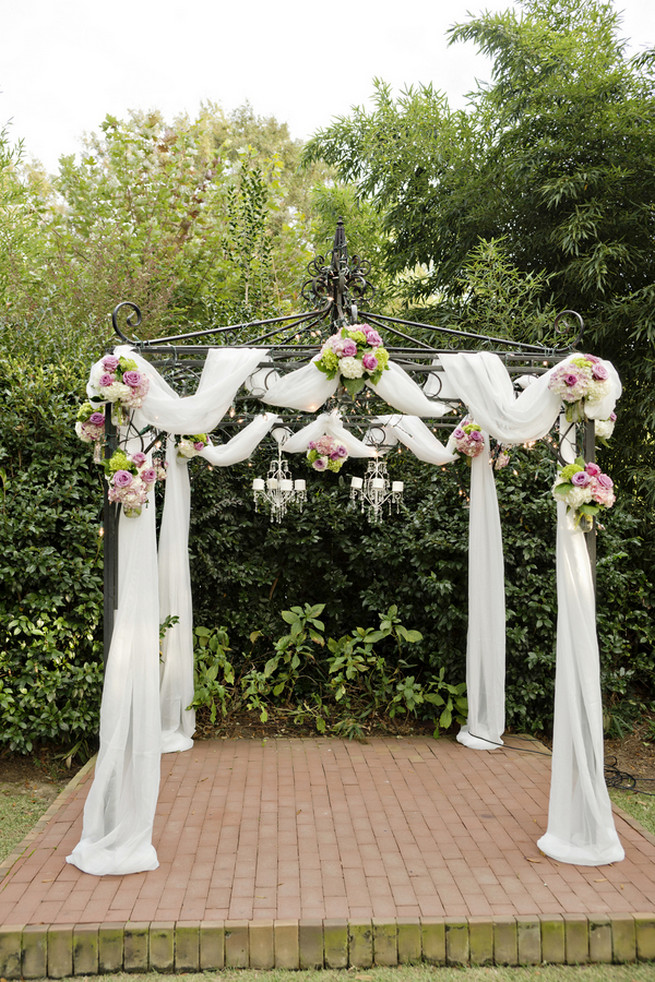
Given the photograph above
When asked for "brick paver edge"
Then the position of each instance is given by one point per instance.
(24, 949)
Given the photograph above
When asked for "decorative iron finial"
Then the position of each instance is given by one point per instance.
(341, 281)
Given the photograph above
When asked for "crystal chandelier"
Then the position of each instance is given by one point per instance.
(374, 490)
(278, 491)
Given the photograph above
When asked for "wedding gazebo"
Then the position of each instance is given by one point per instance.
(370, 385)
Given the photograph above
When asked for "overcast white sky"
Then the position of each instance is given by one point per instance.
(65, 64)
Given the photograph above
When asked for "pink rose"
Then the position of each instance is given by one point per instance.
(139, 458)
(348, 349)
(122, 479)
(372, 337)
(605, 481)
(571, 380)
(106, 380)
(110, 363)
(592, 469)
(199, 446)
(369, 361)
(600, 373)
(149, 475)
(133, 379)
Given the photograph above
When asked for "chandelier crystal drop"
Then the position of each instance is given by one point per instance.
(374, 490)
(278, 491)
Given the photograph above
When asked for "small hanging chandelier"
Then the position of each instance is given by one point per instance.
(278, 491)
(374, 490)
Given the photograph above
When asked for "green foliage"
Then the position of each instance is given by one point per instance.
(51, 569)
(329, 557)
(555, 160)
(338, 683)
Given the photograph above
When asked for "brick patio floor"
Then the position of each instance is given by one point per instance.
(301, 831)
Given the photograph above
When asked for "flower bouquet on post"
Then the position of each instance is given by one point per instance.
(90, 428)
(356, 355)
(191, 446)
(130, 479)
(585, 491)
(468, 439)
(119, 381)
(580, 380)
(326, 454)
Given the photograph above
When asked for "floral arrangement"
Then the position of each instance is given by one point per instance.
(118, 380)
(356, 354)
(468, 438)
(326, 454)
(604, 428)
(90, 428)
(580, 380)
(584, 489)
(130, 479)
(190, 446)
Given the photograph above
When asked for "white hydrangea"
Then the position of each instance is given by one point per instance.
(575, 497)
(116, 392)
(351, 367)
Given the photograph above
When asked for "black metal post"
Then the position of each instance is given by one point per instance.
(110, 522)
(589, 454)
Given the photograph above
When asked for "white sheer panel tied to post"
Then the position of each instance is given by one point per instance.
(120, 806)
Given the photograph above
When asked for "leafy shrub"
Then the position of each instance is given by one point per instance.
(51, 565)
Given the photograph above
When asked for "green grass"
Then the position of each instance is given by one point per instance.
(640, 806)
(21, 805)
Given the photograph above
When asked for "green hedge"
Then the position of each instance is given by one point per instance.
(51, 562)
(246, 571)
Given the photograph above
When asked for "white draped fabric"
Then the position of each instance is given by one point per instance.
(580, 823)
(145, 708)
(120, 806)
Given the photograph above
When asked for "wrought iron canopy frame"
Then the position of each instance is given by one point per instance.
(337, 287)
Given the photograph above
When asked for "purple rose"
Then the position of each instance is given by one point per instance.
(571, 380)
(372, 337)
(199, 446)
(149, 475)
(139, 458)
(581, 479)
(613, 417)
(341, 451)
(605, 481)
(133, 379)
(600, 373)
(319, 464)
(106, 380)
(348, 348)
(311, 445)
(110, 363)
(97, 419)
(459, 433)
(369, 361)
(476, 436)
(122, 479)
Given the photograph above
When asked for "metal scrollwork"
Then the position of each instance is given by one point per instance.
(563, 326)
(340, 281)
(132, 320)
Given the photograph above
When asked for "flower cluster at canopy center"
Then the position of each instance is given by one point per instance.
(326, 453)
(356, 354)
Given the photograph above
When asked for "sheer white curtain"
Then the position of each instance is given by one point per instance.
(580, 823)
(120, 807)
